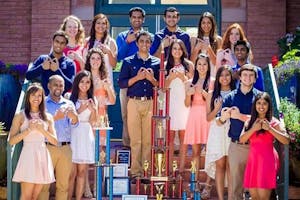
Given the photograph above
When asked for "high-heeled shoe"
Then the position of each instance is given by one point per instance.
(205, 194)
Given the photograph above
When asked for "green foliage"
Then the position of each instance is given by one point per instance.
(289, 41)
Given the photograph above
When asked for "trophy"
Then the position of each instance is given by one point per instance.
(146, 167)
(174, 168)
(193, 176)
(160, 162)
(102, 121)
(159, 187)
(160, 138)
(161, 102)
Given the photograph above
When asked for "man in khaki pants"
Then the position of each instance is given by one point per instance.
(64, 114)
(139, 73)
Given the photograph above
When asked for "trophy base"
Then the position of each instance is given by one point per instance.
(159, 178)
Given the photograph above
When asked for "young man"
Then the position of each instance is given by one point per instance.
(127, 46)
(65, 116)
(140, 73)
(169, 33)
(241, 52)
(54, 63)
(237, 109)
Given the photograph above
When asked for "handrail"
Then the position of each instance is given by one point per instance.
(13, 151)
(285, 150)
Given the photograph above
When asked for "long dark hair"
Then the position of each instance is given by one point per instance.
(254, 113)
(213, 32)
(102, 69)
(217, 85)
(75, 88)
(196, 73)
(93, 32)
(32, 89)
(170, 59)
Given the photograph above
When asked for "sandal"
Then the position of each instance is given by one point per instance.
(205, 194)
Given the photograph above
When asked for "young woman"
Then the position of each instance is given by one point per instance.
(179, 70)
(225, 55)
(33, 126)
(74, 49)
(207, 40)
(216, 164)
(99, 37)
(262, 164)
(82, 136)
(197, 127)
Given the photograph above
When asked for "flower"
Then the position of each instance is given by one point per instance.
(291, 117)
(17, 70)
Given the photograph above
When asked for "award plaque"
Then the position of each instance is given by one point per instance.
(134, 197)
(123, 156)
(119, 170)
(121, 186)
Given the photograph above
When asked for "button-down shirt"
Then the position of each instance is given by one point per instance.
(259, 84)
(66, 69)
(130, 67)
(244, 103)
(62, 126)
(160, 35)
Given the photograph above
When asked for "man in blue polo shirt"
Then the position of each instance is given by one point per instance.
(140, 73)
(237, 107)
(169, 33)
(54, 63)
(127, 46)
(241, 52)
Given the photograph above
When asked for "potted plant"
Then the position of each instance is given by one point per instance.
(291, 117)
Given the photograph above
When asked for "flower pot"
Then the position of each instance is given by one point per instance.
(3, 141)
(294, 170)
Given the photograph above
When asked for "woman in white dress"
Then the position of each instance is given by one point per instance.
(179, 70)
(82, 136)
(218, 141)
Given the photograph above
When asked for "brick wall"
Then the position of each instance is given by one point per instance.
(293, 15)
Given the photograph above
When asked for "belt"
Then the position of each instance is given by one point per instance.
(238, 142)
(59, 144)
(144, 98)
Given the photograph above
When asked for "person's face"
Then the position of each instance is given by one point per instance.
(59, 43)
(202, 66)
(71, 28)
(56, 87)
(206, 25)
(144, 43)
(247, 78)
(84, 84)
(136, 20)
(95, 61)
(176, 51)
(234, 36)
(101, 25)
(261, 107)
(36, 98)
(225, 78)
(171, 19)
(241, 53)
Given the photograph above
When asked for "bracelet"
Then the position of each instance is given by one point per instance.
(222, 122)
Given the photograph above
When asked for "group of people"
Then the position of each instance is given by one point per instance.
(216, 105)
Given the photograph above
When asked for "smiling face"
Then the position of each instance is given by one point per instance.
(84, 84)
(71, 28)
(240, 52)
(101, 26)
(177, 52)
(144, 43)
(206, 25)
(171, 19)
(59, 43)
(262, 107)
(234, 36)
(136, 20)
(225, 78)
(202, 66)
(35, 99)
(56, 87)
(247, 78)
(95, 61)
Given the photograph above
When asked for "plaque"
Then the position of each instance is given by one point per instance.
(119, 170)
(123, 156)
(121, 186)
(134, 197)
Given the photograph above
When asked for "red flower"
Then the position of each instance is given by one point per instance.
(274, 61)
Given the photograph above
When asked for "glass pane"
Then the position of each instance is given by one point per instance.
(131, 1)
(194, 2)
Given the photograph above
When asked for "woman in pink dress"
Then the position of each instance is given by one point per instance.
(197, 126)
(33, 126)
(179, 70)
(262, 164)
(74, 49)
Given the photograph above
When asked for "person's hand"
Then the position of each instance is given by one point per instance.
(74, 55)
(204, 93)
(257, 125)
(36, 124)
(141, 73)
(225, 113)
(91, 105)
(70, 113)
(104, 48)
(46, 64)
(218, 103)
(235, 112)
(149, 74)
(172, 74)
(131, 36)
(54, 64)
(60, 113)
(189, 89)
(106, 84)
(265, 124)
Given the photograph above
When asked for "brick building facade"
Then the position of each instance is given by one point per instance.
(27, 26)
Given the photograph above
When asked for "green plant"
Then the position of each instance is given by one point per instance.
(291, 117)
